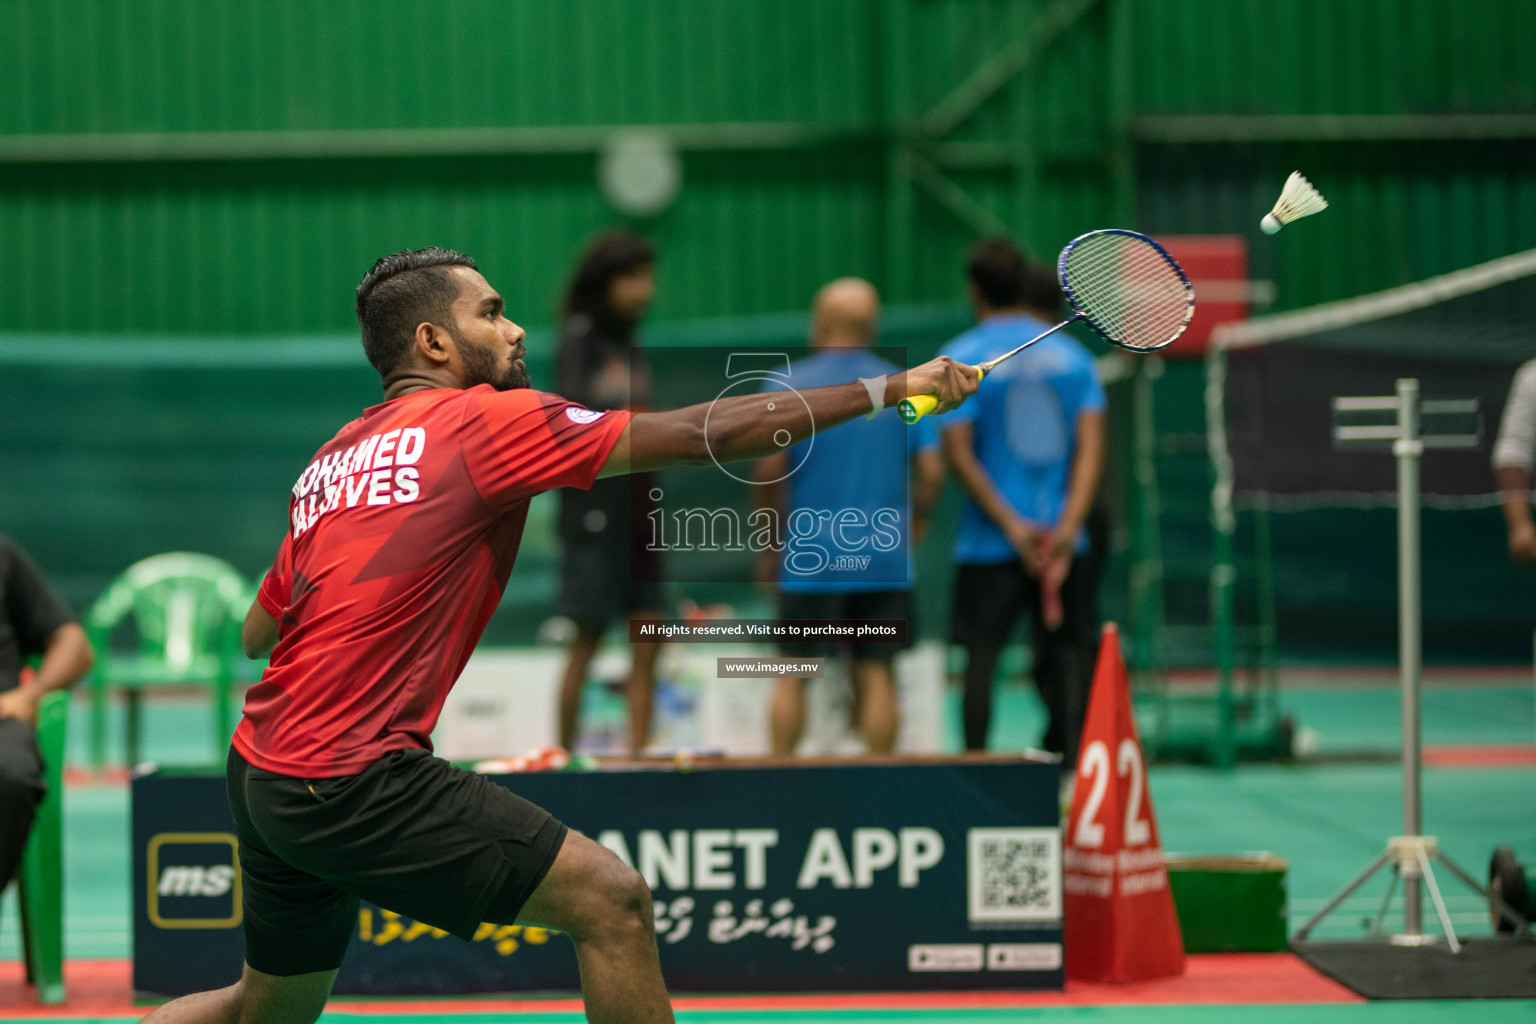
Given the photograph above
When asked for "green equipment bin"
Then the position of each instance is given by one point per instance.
(1230, 904)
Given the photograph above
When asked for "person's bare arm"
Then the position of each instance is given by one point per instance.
(259, 633)
(960, 453)
(66, 657)
(744, 427)
(927, 482)
(1515, 496)
(1083, 484)
(1512, 455)
(770, 494)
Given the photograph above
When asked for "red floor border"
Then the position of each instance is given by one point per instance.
(1480, 755)
(100, 988)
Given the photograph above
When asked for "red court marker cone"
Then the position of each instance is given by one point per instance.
(1119, 918)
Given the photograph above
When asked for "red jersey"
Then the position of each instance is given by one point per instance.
(402, 533)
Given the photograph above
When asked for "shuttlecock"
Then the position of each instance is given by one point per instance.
(1298, 199)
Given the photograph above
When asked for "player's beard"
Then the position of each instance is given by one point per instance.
(480, 367)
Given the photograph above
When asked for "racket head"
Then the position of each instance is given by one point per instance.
(1127, 288)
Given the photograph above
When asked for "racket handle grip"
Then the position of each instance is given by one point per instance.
(915, 408)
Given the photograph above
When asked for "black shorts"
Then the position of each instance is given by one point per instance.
(874, 604)
(412, 834)
(600, 583)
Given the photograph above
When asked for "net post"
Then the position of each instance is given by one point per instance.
(1224, 563)
(1146, 571)
(1408, 448)
(1264, 598)
(1223, 587)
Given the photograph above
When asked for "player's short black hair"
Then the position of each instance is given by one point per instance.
(402, 290)
(996, 267)
(1041, 291)
(606, 257)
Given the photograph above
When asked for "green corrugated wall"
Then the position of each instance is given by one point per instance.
(1075, 139)
(819, 138)
(215, 65)
(264, 246)
(1333, 57)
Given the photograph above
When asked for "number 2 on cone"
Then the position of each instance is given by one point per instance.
(1089, 833)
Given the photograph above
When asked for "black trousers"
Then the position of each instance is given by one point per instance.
(21, 787)
(988, 601)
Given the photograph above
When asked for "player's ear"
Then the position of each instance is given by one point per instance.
(432, 344)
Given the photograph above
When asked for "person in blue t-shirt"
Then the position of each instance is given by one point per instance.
(849, 519)
(1027, 451)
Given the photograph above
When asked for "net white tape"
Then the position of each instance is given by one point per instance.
(1128, 290)
(1334, 316)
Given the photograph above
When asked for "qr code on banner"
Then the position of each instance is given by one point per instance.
(1013, 874)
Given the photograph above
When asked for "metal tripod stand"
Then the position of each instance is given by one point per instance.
(1410, 855)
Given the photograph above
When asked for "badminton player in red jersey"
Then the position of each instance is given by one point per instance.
(402, 533)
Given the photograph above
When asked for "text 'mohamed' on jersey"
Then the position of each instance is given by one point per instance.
(402, 533)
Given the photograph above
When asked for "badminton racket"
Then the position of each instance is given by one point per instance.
(1122, 284)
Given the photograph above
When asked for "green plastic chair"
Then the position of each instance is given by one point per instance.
(186, 609)
(40, 883)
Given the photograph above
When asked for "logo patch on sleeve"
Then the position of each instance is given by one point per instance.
(580, 415)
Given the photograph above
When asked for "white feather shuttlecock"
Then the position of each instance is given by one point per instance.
(1298, 199)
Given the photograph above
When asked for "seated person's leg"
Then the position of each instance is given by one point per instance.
(21, 787)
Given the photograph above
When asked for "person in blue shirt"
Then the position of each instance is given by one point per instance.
(1027, 451)
(849, 519)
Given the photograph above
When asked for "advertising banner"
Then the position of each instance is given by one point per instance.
(942, 874)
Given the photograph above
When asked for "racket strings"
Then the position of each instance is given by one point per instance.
(1127, 289)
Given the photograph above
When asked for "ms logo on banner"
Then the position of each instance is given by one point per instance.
(194, 880)
(1013, 875)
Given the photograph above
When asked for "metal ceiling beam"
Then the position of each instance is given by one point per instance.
(954, 198)
(1187, 128)
(414, 142)
(967, 97)
(979, 155)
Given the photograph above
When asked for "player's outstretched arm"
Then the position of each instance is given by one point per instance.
(743, 427)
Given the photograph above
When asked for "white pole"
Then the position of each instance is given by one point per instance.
(1408, 447)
